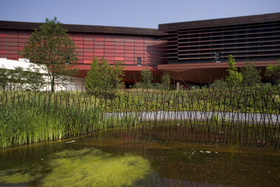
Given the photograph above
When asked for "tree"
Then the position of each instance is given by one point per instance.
(146, 78)
(51, 46)
(250, 74)
(103, 78)
(20, 78)
(3, 78)
(165, 81)
(234, 77)
(273, 72)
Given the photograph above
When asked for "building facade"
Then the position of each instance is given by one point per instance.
(137, 48)
(196, 51)
(192, 52)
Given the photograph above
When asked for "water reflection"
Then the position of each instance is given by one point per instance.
(157, 161)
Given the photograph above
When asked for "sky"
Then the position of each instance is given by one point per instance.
(131, 13)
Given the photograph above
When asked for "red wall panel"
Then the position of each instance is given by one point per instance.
(108, 54)
(109, 43)
(88, 37)
(98, 47)
(15, 40)
(109, 58)
(98, 43)
(11, 44)
(129, 62)
(129, 58)
(88, 61)
(80, 42)
(109, 38)
(78, 37)
(80, 46)
(98, 54)
(24, 35)
(12, 57)
(88, 50)
(99, 38)
(3, 40)
(12, 48)
(119, 47)
(88, 57)
(119, 58)
(22, 40)
(99, 50)
(119, 51)
(119, 43)
(139, 44)
(88, 42)
(88, 54)
(109, 50)
(129, 55)
(129, 48)
(88, 46)
(129, 44)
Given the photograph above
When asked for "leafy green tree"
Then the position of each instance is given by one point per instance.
(23, 79)
(234, 77)
(51, 46)
(146, 78)
(103, 79)
(165, 81)
(34, 79)
(250, 74)
(273, 72)
(3, 78)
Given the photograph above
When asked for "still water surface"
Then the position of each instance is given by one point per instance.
(125, 158)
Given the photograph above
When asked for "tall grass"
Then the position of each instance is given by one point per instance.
(239, 115)
(28, 117)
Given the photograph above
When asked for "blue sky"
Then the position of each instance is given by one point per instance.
(131, 13)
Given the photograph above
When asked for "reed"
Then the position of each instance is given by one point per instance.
(228, 115)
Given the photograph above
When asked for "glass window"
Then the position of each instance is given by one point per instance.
(138, 61)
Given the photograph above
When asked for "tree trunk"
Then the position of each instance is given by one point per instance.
(52, 84)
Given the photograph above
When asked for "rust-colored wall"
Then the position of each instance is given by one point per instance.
(116, 48)
(125, 48)
(11, 42)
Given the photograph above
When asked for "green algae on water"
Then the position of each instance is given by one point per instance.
(17, 178)
(91, 167)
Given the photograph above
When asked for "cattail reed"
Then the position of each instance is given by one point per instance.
(242, 115)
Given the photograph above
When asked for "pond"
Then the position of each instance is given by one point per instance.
(137, 157)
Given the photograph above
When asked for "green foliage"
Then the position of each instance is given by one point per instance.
(103, 79)
(250, 74)
(22, 79)
(28, 117)
(51, 46)
(234, 77)
(165, 81)
(273, 72)
(4, 77)
(220, 83)
(146, 79)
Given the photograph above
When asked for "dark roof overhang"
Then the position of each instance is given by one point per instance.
(244, 20)
(30, 26)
